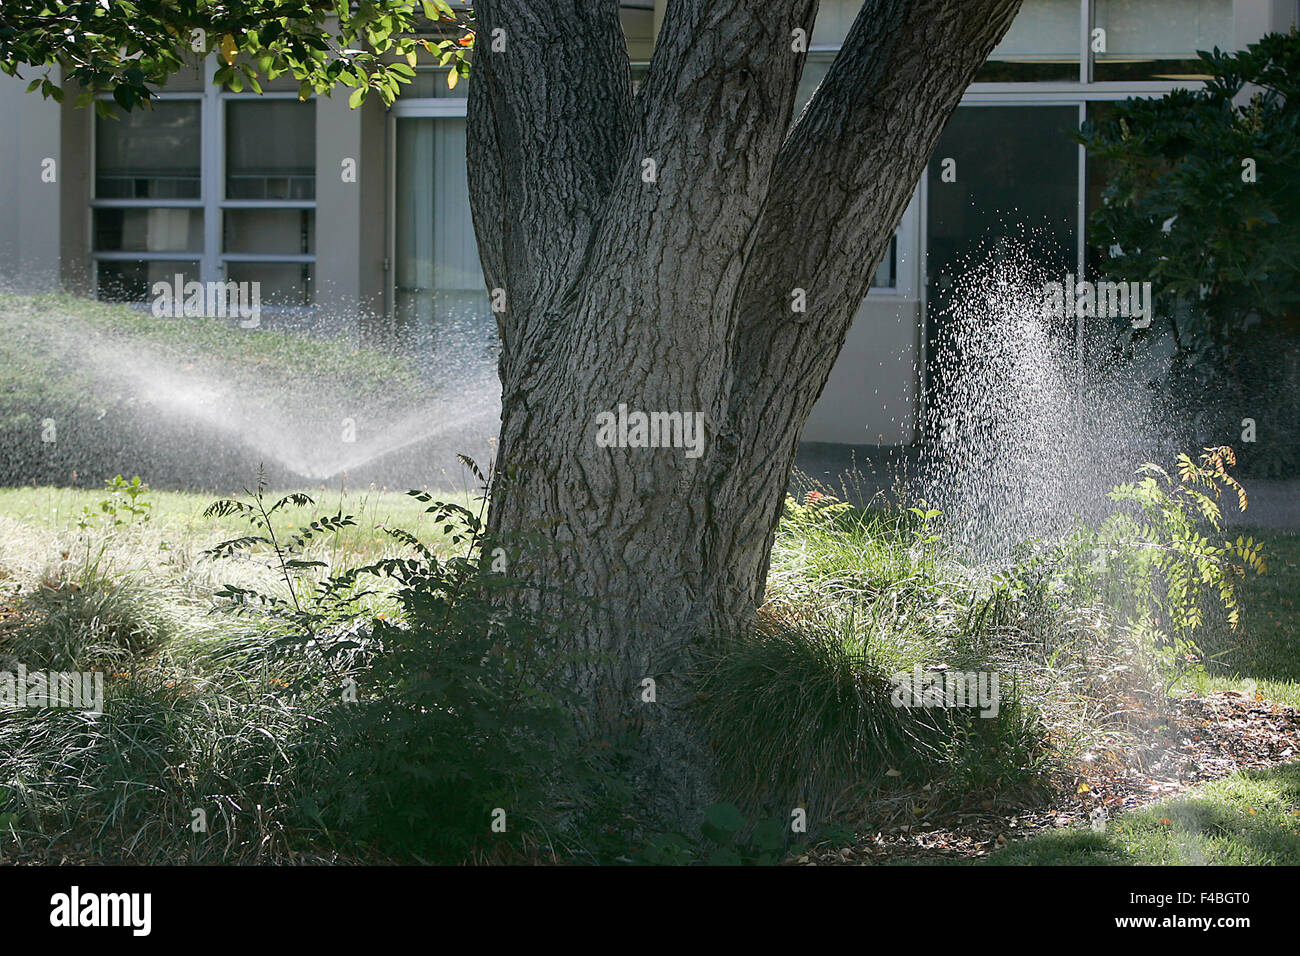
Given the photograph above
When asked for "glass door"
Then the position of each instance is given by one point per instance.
(440, 305)
(1001, 176)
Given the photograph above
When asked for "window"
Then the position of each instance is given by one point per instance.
(147, 224)
(1041, 45)
(439, 297)
(834, 18)
(815, 68)
(210, 186)
(268, 216)
(270, 150)
(1017, 179)
(432, 84)
(1109, 41)
(1158, 39)
(639, 71)
(150, 154)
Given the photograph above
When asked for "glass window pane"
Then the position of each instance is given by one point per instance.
(1016, 175)
(638, 28)
(1041, 45)
(281, 284)
(149, 230)
(815, 68)
(132, 281)
(1017, 181)
(1158, 39)
(1099, 172)
(639, 70)
(272, 231)
(270, 149)
(834, 18)
(432, 84)
(441, 305)
(149, 153)
(886, 276)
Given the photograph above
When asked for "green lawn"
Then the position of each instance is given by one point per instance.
(51, 515)
(1244, 819)
(1249, 819)
(1265, 649)
(88, 389)
(55, 350)
(155, 570)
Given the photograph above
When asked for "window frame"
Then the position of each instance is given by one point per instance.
(1043, 93)
(407, 107)
(212, 259)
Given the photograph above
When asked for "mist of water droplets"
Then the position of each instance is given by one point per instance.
(1029, 423)
(180, 418)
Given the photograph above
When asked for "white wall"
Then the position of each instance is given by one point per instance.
(29, 207)
(1254, 18)
(350, 247)
(872, 393)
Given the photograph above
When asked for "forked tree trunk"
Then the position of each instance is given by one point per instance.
(652, 251)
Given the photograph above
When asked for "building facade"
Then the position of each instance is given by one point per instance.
(358, 220)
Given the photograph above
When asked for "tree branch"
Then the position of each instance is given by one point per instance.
(839, 188)
(710, 116)
(548, 122)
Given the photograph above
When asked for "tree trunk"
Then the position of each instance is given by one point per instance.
(649, 249)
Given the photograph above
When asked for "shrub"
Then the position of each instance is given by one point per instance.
(800, 708)
(1151, 568)
(88, 621)
(450, 731)
(1202, 198)
(460, 720)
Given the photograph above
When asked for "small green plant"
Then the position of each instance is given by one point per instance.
(727, 838)
(126, 500)
(817, 510)
(1170, 564)
(312, 611)
(125, 504)
(926, 534)
(1152, 568)
(838, 549)
(1166, 557)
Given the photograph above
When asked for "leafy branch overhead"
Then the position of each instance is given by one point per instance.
(129, 48)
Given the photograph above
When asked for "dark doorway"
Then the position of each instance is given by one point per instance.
(1000, 173)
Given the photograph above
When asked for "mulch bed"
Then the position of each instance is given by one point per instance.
(1199, 739)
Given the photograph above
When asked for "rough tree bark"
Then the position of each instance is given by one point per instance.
(676, 295)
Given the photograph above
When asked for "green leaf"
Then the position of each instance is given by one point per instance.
(724, 856)
(725, 816)
(769, 835)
